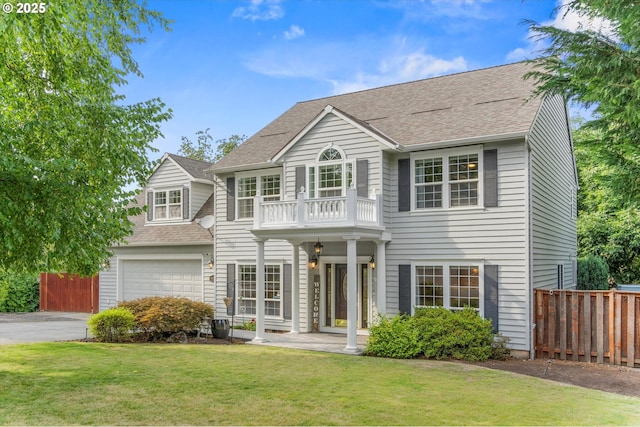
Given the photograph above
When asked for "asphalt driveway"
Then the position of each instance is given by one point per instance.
(42, 326)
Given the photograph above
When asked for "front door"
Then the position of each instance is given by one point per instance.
(335, 296)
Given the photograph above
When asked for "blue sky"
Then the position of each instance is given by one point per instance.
(233, 66)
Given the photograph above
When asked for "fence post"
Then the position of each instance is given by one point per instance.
(631, 330)
(575, 321)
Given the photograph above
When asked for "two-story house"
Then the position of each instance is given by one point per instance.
(451, 191)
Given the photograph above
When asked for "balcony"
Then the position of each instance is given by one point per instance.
(349, 211)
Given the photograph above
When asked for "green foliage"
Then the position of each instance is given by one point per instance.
(247, 326)
(202, 149)
(500, 348)
(160, 316)
(395, 337)
(112, 325)
(608, 219)
(19, 292)
(599, 68)
(436, 333)
(593, 273)
(71, 145)
(457, 334)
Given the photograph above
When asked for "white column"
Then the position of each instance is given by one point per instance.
(295, 288)
(381, 280)
(352, 297)
(260, 337)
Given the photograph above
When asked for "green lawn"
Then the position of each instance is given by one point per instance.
(134, 384)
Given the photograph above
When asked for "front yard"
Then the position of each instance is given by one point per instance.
(133, 384)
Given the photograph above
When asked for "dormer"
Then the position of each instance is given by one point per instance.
(177, 189)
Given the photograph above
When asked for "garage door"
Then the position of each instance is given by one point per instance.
(144, 278)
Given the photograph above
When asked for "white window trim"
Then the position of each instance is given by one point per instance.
(258, 178)
(316, 167)
(446, 279)
(167, 190)
(446, 193)
(237, 289)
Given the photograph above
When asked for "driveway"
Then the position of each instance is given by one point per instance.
(42, 326)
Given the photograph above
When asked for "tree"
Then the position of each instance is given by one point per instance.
(599, 68)
(70, 143)
(202, 149)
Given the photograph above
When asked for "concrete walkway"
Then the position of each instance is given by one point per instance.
(332, 343)
(49, 326)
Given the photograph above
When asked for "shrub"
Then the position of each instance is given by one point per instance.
(19, 292)
(112, 325)
(593, 273)
(460, 334)
(248, 326)
(395, 337)
(500, 348)
(160, 316)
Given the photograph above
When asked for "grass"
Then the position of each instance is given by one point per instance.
(110, 384)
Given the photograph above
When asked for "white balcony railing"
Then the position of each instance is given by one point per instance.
(350, 210)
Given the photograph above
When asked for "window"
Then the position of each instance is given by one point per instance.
(248, 187)
(560, 276)
(446, 179)
(448, 285)
(247, 285)
(167, 204)
(246, 193)
(332, 174)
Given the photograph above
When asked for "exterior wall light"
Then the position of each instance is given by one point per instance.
(372, 262)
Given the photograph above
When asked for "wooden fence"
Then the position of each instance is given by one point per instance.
(588, 326)
(68, 293)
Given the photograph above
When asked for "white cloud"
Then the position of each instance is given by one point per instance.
(401, 68)
(260, 10)
(293, 32)
(564, 19)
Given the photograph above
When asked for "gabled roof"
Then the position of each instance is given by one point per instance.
(196, 169)
(161, 235)
(474, 104)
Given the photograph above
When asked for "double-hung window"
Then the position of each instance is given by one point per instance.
(451, 285)
(167, 204)
(248, 187)
(446, 179)
(332, 174)
(247, 293)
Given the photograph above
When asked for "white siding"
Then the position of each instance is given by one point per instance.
(168, 175)
(495, 235)
(110, 280)
(198, 196)
(553, 188)
(235, 244)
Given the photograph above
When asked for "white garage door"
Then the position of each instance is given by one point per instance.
(145, 278)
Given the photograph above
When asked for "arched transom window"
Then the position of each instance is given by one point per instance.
(331, 175)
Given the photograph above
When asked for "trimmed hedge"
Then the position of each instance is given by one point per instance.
(112, 325)
(161, 316)
(435, 333)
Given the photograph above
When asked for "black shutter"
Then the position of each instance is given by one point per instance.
(362, 177)
(404, 288)
(149, 205)
(185, 202)
(231, 285)
(404, 185)
(300, 179)
(490, 178)
(286, 291)
(231, 199)
(491, 294)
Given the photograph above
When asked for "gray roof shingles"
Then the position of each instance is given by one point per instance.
(481, 103)
(195, 168)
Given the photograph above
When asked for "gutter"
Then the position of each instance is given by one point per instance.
(464, 141)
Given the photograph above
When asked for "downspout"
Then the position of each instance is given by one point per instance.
(529, 248)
